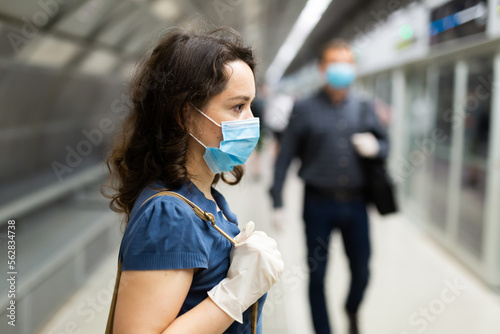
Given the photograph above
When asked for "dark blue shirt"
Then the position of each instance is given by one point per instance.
(319, 134)
(165, 233)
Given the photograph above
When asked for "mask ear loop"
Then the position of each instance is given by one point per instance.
(201, 112)
(197, 140)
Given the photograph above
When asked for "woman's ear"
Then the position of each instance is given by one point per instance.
(189, 119)
(321, 67)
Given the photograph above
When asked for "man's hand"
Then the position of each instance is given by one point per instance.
(365, 144)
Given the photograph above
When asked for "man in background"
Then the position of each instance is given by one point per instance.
(330, 133)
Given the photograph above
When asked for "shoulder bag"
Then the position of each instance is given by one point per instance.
(379, 185)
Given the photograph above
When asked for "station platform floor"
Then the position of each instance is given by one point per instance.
(415, 287)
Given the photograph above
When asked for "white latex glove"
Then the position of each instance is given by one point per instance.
(278, 219)
(365, 144)
(255, 266)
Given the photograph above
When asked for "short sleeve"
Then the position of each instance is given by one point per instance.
(166, 235)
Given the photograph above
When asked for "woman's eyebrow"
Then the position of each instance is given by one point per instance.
(240, 97)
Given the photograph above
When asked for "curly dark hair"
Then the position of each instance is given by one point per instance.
(186, 67)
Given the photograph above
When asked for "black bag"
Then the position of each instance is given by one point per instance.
(380, 188)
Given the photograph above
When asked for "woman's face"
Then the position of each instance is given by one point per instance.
(230, 105)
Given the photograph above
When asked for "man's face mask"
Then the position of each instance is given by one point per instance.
(340, 75)
(239, 139)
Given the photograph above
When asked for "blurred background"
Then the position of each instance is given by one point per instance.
(432, 68)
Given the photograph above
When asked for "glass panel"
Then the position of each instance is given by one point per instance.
(418, 127)
(441, 136)
(383, 87)
(476, 134)
(383, 97)
(369, 86)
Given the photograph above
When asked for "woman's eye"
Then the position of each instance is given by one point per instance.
(239, 107)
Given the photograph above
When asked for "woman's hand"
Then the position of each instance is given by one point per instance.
(255, 266)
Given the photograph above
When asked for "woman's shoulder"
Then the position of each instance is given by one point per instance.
(166, 231)
(153, 200)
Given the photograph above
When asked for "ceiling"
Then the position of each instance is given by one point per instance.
(345, 19)
(117, 32)
(125, 28)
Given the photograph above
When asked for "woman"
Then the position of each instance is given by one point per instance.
(190, 123)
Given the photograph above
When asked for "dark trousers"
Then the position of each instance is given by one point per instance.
(322, 215)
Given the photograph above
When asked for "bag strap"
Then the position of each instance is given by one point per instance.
(204, 215)
(111, 316)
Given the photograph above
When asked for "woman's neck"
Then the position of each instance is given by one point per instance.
(200, 174)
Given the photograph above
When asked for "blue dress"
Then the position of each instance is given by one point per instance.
(165, 233)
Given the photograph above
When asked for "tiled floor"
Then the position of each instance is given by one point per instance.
(416, 287)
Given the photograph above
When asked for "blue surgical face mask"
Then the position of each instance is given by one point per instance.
(239, 139)
(340, 75)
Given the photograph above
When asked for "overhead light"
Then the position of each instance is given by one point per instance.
(166, 10)
(99, 62)
(308, 18)
(49, 51)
